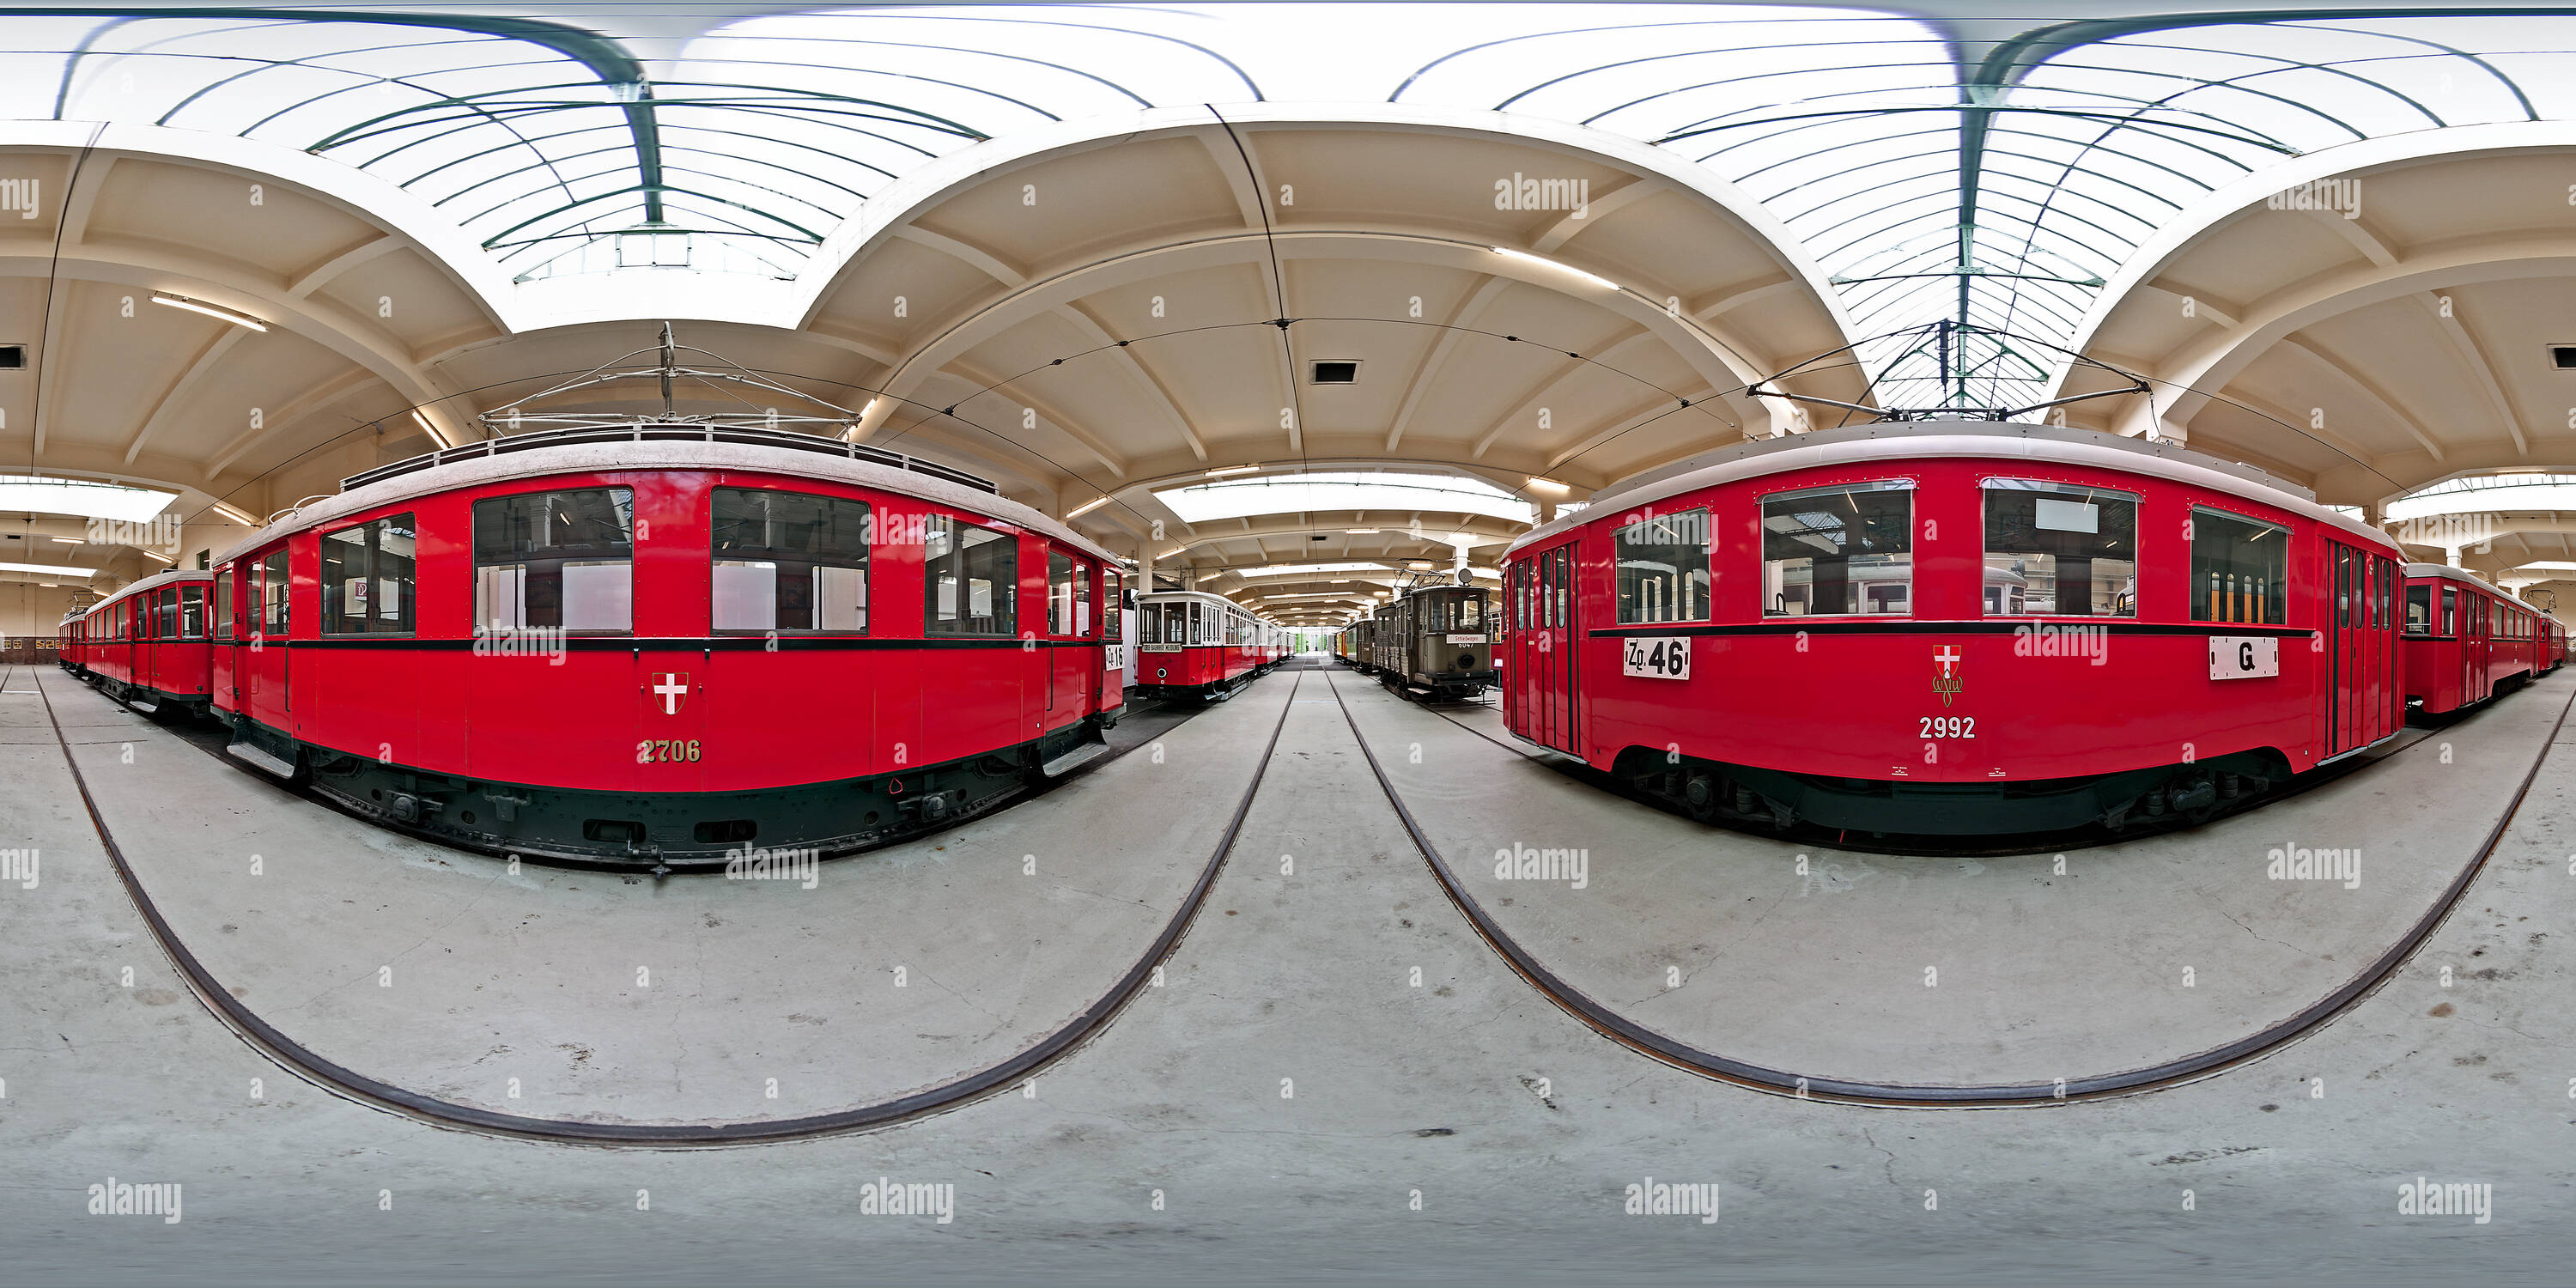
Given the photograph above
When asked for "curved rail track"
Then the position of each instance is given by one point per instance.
(349, 1084)
(1609, 1023)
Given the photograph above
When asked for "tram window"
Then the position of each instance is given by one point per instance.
(2240, 569)
(272, 594)
(564, 560)
(1663, 567)
(974, 576)
(2419, 610)
(1064, 594)
(192, 612)
(2060, 550)
(367, 579)
(2450, 611)
(224, 602)
(1833, 551)
(788, 561)
(1470, 613)
(1113, 624)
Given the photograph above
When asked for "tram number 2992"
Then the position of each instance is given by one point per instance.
(1948, 727)
(1656, 657)
(665, 751)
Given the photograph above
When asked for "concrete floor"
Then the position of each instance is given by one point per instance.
(1294, 1106)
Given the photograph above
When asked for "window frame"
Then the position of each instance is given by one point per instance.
(476, 563)
(373, 550)
(1006, 594)
(1909, 486)
(1705, 592)
(866, 568)
(2023, 483)
(2192, 589)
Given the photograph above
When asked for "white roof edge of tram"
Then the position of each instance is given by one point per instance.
(613, 457)
(2449, 573)
(165, 577)
(1916, 440)
(1169, 596)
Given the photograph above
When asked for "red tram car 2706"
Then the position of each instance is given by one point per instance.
(1953, 627)
(146, 645)
(2467, 641)
(1190, 644)
(660, 646)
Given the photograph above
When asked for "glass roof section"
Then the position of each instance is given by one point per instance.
(1936, 172)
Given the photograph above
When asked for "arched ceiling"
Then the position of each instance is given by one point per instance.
(2401, 337)
(1033, 319)
(456, 206)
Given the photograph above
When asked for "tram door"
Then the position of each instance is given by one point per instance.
(1071, 670)
(1545, 652)
(2474, 612)
(268, 695)
(225, 674)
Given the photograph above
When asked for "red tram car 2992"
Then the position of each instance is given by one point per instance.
(1953, 628)
(664, 646)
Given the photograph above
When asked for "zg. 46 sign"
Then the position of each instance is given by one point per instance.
(1656, 657)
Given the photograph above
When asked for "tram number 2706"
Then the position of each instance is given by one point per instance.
(665, 751)
(1948, 727)
(1656, 657)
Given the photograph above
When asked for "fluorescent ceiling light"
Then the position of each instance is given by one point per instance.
(1548, 485)
(1362, 532)
(235, 515)
(45, 569)
(1088, 506)
(1347, 490)
(1306, 570)
(68, 541)
(82, 497)
(1524, 256)
(1232, 469)
(162, 557)
(210, 310)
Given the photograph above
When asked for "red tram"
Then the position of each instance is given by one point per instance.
(1190, 644)
(1810, 629)
(2467, 641)
(512, 645)
(146, 645)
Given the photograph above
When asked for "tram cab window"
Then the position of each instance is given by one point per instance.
(367, 579)
(2419, 610)
(2450, 611)
(973, 576)
(1113, 623)
(1663, 568)
(788, 561)
(564, 560)
(2239, 569)
(1839, 551)
(192, 612)
(224, 602)
(2060, 550)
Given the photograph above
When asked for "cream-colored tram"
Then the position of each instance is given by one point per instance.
(1436, 640)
